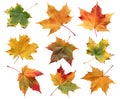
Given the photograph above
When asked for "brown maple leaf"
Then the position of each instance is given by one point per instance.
(98, 80)
(56, 18)
(61, 49)
(95, 19)
(27, 79)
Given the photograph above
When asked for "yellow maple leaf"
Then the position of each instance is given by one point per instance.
(95, 19)
(22, 47)
(98, 80)
(56, 18)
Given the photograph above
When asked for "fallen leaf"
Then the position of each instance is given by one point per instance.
(27, 79)
(98, 80)
(61, 49)
(98, 50)
(18, 15)
(22, 47)
(64, 81)
(56, 18)
(95, 19)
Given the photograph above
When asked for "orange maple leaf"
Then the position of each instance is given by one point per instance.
(27, 79)
(98, 80)
(56, 18)
(95, 19)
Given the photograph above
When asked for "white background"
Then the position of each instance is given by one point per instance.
(9, 87)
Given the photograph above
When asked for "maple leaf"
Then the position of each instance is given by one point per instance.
(95, 19)
(18, 15)
(27, 79)
(98, 80)
(64, 81)
(98, 50)
(61, 49)
(56, 18)
(22, 47)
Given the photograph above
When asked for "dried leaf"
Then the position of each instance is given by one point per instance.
(61, 49)
(22, 47)
(98, 80)
(56, 18)
(27, 79)
(18, 15)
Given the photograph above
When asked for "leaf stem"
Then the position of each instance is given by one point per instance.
(69, 30)
(16, 59)
(53, 91)
(108, 70)
(31, 7)
(95, 32)
(89, 60)
(68, 38)
(13, 68)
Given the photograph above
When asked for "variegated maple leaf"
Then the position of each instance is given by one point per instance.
(64, 81)
(27, 79)
(61, 49)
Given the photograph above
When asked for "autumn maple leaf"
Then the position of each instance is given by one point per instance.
(98, 50)
(27, 79)
(98, 80)
(56, 18)
(61, 49)
(22, 47)
(64, 81)
(95, 19)
(18, 15)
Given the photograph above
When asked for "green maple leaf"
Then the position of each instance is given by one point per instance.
(98, 50)
(18, 15)
(61, 49)
(67, 86)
